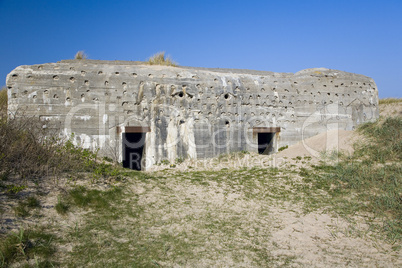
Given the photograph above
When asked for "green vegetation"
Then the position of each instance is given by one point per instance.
(384, 141)
(179, 160)
(61, 207)
(82, 197)
(14, 189)
(25, 245)
(25, 207)
(283, 148)
(164, 162)
(160, 59)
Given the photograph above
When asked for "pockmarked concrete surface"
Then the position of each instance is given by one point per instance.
(141, 114)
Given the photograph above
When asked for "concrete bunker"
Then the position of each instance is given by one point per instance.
(133, 147)
(267, 139)
(193, 112)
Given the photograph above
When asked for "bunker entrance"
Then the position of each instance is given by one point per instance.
(265, 143)
(133, 144)
(266, 137)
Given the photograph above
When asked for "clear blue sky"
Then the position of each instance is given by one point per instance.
(362, 37)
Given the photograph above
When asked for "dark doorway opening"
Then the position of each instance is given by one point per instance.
(133, 148)
(265, 143)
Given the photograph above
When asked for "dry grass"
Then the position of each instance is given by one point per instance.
(160, 59)
(30, 149)
(80, 55)
(390, 100)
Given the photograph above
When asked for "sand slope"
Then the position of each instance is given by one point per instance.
(333, 140)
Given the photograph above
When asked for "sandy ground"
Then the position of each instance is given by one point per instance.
(278, 230)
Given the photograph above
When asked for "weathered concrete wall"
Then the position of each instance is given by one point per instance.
(190, 112)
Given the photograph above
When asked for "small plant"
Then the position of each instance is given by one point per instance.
(32, 202)
(283, 148)
(4, 175)
(80, 55)
(21, 210)
(24, 207)
(27, 244)
(179, 160)
(165, 162)
(107, 159)
(61, 207)
(14, 245)
(15, 189)
(160, 59)
(304, 172)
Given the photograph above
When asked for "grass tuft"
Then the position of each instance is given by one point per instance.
(32, 202)
(80, 55)
(61, 207)
(24, 208)
(160, 59)
(27, 244)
